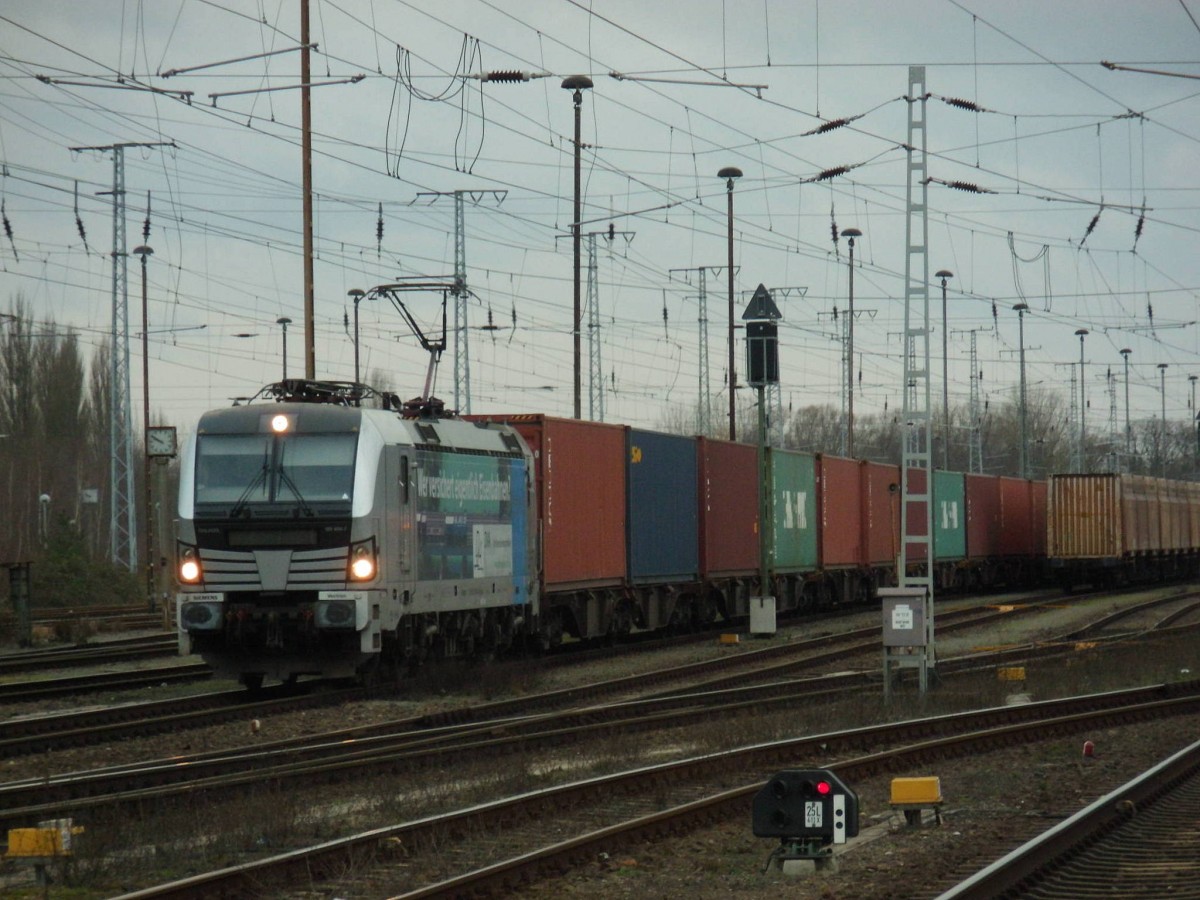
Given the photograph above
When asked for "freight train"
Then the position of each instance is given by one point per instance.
(334, 531)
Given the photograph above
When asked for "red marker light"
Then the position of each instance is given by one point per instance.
(823, 787)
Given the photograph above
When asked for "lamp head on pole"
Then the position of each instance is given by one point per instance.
(357, 294)
(578, 84)
(1021, 308)
(851, 233)
(730, 174)
(143, 252)
(282, 320)
(1081, 332)
(1125, 351)
(944, 274)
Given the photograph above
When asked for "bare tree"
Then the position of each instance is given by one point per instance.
(55, 441)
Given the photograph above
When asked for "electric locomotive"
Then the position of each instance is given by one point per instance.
(333, 531)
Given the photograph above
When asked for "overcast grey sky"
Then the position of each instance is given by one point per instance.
(1059, 140)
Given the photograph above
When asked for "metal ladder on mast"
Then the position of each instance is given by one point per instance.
(916, 516)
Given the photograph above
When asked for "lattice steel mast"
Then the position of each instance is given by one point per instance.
(462, 293)
(975, 411)
(595, 363)
(123, 544)
(916, 502)
(704, 384)
(462, 342)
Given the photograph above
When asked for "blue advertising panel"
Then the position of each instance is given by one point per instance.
(471, 517)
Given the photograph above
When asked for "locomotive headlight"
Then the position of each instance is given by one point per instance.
(280, 424)
(190, 570)
(362, 560)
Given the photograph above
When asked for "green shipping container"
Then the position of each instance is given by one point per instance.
(949, 516)
(794, 493)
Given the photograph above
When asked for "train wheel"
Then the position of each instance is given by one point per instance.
(708, 610)
(552, 630)
(253, 681)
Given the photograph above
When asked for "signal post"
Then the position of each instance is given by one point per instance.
(762, 358)
(809, 810)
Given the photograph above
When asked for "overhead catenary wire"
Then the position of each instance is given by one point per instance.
(749, 227)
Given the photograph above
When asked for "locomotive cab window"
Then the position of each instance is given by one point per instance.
(241, 474)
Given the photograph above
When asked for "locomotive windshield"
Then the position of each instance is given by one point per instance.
(266, 474)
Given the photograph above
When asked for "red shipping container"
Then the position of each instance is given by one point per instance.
(1018, 522)
(881, 517)
(983, 516)
(840, 499)
(1039, 491)
(728, 493)
(917, 480)
(580, 477)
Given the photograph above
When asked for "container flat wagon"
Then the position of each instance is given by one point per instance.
(1115, 528)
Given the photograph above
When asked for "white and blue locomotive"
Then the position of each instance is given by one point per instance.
(332, 531)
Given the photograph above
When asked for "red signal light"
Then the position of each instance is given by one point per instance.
(823, 787)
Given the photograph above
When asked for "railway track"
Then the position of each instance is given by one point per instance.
(71, 685)
(523, 730)
(78, 728)
(528, 726)
(43, 734)
(1137, 841)
(116, 650)
(99, 619)
(543, 831)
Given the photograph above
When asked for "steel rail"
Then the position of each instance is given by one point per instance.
(1093, 831)
(317, 863)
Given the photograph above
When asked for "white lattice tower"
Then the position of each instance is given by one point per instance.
(975, 411)
(595, 365)
(123, 516)
(462, 348)
(916, 502)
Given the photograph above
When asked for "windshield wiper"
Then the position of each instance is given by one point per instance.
(255, 483)
(286, 479)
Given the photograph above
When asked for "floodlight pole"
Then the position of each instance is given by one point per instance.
(1128, 433)
(851, 234)
(143, 252)
(1021, 309)
(945, 275)
(731, 174)
(578, 84)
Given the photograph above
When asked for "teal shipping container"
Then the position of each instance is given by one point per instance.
(949, 516)
(794, 490)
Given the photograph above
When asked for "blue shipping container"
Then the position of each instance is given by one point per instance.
(663, 507)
